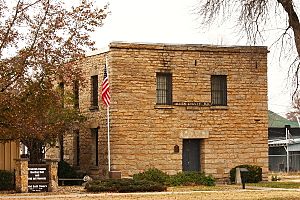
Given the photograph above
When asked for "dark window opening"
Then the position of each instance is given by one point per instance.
(219, 90)
(164, 89)
(95, 146)
(61, 147)
(61, 86)
(77, 147)
(94, 95)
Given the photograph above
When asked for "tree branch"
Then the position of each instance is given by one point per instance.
(293, 20)
(6, 35)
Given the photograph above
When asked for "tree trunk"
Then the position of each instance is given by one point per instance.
(36, 154)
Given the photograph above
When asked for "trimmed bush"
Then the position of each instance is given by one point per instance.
(254, 174)
(152, 174)
(124, 185)
(6, 180)
(191, 178)
(181, 178)
(152, 180)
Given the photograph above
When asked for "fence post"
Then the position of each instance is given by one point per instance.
(53, 178)
(21, 174)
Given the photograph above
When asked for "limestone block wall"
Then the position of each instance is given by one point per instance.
(143, 134)
(96, 118)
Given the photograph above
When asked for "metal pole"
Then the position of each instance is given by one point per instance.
(108, 139)
(287, 149)
(108, 135)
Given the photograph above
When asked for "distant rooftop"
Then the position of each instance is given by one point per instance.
(276, 121)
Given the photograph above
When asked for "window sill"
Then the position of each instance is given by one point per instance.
(94, 108)
(164, 107)
(219, 107)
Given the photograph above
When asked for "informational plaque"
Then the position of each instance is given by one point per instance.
(38, 178)
(200, 104)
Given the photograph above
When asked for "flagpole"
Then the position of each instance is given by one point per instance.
(108, 134)
(108, 139)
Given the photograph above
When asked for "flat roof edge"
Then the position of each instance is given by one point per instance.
(98, 51)
(187, 47)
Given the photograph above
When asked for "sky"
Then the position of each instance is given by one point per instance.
(175, 21)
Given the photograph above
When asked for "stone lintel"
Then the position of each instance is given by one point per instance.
(93, 124)
(194, 134)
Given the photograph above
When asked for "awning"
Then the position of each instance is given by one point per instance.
(281, 142)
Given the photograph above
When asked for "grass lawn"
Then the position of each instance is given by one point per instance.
(277, 184)
(204, 188)
(273, 184)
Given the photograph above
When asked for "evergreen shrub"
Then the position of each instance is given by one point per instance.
(181, 178)
(254, 174)
(124, 185)
(152, 174)
(191, 178)
(6, 180)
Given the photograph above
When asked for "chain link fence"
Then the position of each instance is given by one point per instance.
(278, 163)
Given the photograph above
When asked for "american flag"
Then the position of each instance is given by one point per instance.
(105, 89)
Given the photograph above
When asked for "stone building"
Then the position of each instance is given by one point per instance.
(173, 107)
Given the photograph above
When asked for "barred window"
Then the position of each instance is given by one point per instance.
(94, 92)
(219, 90)
(164, 89)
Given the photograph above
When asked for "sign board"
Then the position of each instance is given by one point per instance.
(201, 104)
(38, 187)
(38, 178)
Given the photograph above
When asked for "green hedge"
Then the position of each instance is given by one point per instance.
(151, 180)
(124, 185)
(181, 178)
(6, 180)
(254, 174)
(152, 174)
(191, 178)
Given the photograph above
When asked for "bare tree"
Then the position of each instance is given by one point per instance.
(294, 113)
(252, 16)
